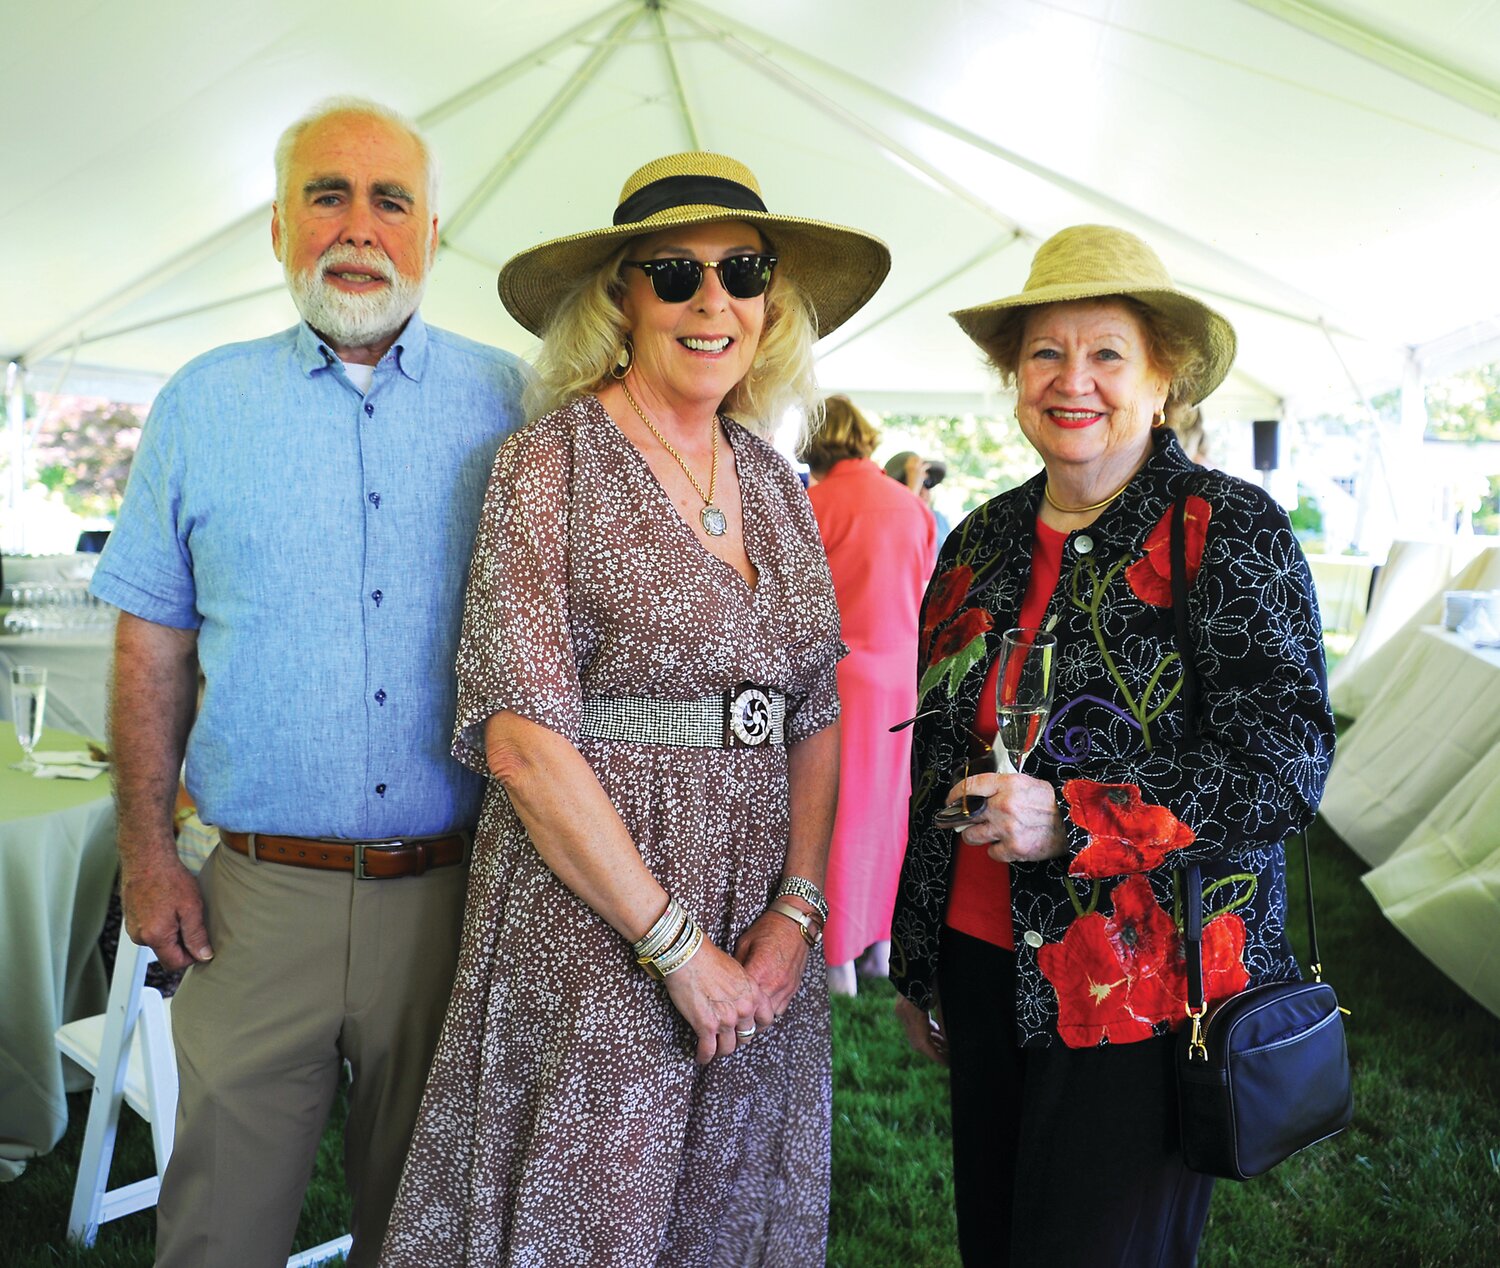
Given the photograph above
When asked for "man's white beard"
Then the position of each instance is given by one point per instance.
(355, 320)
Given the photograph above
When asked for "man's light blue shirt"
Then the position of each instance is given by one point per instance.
(318, 540)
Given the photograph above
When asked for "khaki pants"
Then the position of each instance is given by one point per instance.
(310, 969)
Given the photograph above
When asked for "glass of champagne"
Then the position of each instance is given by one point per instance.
(1024, 691)
(28, 705)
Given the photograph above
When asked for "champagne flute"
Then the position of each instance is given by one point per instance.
(28, 705)
(1024, 691)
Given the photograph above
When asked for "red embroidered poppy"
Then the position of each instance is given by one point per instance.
(1145, 940)
(1092, 986)
(1125, 834)
(961, 633)
(1224, 972)
(1151, 575)
(947, 595)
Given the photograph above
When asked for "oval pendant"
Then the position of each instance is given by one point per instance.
(714, 522)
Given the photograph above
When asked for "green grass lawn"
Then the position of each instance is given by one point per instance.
(1415, 1180)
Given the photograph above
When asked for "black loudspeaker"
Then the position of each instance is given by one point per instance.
(1265, 443)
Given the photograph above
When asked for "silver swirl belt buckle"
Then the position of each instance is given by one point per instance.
(747, 716)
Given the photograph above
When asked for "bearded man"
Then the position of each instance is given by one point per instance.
(298, 524)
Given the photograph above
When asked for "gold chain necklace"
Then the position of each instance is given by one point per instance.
(1082, 510)
(713, 519)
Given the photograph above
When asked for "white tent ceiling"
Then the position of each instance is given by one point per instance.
(1328, 174)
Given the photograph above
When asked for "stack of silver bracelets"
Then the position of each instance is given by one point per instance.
(675, 937)
(670, 943)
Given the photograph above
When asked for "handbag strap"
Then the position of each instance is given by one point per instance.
(1193, 915)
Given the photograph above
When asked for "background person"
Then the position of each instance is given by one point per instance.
(1048, 930)
(921, 476)
(880, 550)
(648, 674)
(297, 522)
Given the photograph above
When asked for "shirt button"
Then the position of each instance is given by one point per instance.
(369, 410)
(1032, 938)
(380, 788)
(375, 500)
(1083, 543)
(377, 595)
(380, 696)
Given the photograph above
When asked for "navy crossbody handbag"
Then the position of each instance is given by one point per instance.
(1265, 1072)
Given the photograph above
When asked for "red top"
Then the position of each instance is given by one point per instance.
(979, 900)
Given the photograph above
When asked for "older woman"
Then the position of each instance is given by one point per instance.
(1049, 928)
(635, 1066)
(880, 543)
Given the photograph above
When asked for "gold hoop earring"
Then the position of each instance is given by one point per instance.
(623, 358)
(1159, 419)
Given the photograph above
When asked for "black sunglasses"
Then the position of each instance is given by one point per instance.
(966, 808)
(677, 281)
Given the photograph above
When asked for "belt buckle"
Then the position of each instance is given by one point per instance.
(359, 857)
(747, 716)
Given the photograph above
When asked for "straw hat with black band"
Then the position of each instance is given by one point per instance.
(1096, 262)
(838, 269)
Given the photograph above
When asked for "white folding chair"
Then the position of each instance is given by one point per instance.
(128, 1050)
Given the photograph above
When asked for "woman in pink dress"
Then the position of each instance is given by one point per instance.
(880, 542)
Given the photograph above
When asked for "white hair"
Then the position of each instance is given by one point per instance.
(369, 110)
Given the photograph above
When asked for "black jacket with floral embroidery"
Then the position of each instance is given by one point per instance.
(1098, 951)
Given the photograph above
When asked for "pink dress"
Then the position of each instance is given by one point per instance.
(881, 545)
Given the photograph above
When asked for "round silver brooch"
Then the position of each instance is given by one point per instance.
(750, 716)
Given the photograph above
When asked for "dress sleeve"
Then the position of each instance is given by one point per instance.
(1265, 727)
(516, 648)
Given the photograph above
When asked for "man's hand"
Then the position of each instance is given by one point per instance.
(164, 911)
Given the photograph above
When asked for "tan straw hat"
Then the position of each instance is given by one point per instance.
(837, 269)
(1097, 261)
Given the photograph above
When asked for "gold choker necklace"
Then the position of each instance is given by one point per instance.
(1082, 510)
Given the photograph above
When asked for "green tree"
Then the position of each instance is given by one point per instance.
(1465, 406)
(84, 452)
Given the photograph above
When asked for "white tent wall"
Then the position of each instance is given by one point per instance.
(1328, 175)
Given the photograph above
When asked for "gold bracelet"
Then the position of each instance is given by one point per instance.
(810, 935)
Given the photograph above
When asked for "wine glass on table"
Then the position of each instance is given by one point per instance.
(1023, 693)
(28, 705)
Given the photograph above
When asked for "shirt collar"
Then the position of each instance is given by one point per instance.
(409, 350)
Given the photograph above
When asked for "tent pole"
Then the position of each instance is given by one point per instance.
(1406, 62)
(686, 111)
(1412, 515)
(851, 120)
(15, 416)
(727, 30)
(836, 344)
(541, 124)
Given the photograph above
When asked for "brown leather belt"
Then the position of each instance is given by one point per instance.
(368, 860)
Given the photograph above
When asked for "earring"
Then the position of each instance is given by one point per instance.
(1159, 419)
(622, 361)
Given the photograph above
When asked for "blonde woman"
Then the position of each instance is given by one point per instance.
(635, 1067)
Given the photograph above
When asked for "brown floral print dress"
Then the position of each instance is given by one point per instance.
(565, 1120)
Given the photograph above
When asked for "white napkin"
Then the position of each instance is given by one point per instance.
(60, 765)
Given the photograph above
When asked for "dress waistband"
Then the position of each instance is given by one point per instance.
(745, 716)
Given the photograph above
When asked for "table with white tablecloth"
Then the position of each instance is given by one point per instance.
(77, 664)
(57, 869)
(1415, 792)
(1432, 719)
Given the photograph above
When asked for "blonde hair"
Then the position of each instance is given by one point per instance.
(1170, 349)
(843, 433)
(582, 343)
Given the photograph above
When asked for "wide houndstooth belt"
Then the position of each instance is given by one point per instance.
(745, 716)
